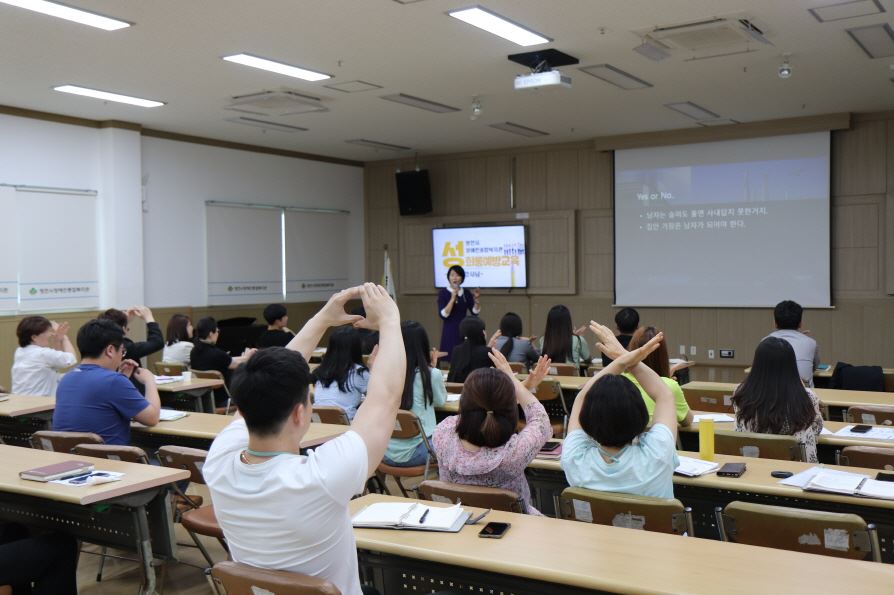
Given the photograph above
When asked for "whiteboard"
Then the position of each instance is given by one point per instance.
(9, 263)
(244, 254)
(317, 261)
(57, 254)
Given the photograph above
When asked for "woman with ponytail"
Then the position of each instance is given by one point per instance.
(479, 446)
(510, 342)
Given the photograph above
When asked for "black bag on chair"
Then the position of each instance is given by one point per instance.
(848, 377)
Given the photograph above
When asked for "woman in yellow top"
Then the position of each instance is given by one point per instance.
(659, 362)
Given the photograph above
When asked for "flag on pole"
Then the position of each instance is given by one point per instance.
(387, 279)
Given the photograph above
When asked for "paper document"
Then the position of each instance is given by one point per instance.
(452, 398)
(171, 414)
(825, 432)
(837, 482)
(167, 379)
(695, 467)
(717, 417)
(876, 433)
(872, 488)
(90, 479)
(403, 515)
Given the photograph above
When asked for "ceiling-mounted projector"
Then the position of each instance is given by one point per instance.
(535, 80)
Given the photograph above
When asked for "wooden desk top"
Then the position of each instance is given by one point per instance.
(208, 425)
(451, 407)
(191, 384)
(828, 396)
(824, 373)
(757, 479)
(625, 560)
(136, 479)
(831, 439)
(16, 405)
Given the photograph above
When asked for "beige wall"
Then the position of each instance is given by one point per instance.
(552, 181)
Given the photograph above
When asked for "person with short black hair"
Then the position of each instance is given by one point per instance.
(154, 339)
(179, 340)
(277, 333)
(284, 510)
(608, 447)
(44, 350)
(454, 304)
(626, 323)
(97, 396)
(206, 355)
(480, 445)
(787, 315)
(472, 353)
(341, 379)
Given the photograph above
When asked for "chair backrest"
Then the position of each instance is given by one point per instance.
(881, 415)
(874, 457)
(717, 401)
(471, 495)
(764, 446)
(454, 388)
(564, 370)
(518, 367)
(810, 531)
(406, 425)
(208, 374)
(548, 390)
(182, 457)
(62, 441)
(113, 452)
(233, 578)
(626, 510)
(330, 415)
(168, 369)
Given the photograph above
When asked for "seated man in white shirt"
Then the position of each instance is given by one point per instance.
(282, 510)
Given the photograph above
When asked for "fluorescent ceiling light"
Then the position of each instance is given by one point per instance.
(277, 67)
(616, 76)
(519, 129)
(876, 40)
(691, 110)
(652, 50)
(846, 10)
(364, 142)
(69, 14)
(265, 124)
(106, 96)
(499, 26)
(432, 106)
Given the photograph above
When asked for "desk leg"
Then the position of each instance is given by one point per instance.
(144, 550)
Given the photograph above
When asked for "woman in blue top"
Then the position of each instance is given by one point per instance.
(608, 447)
(454, 303)
(424, 390)
(341, 378)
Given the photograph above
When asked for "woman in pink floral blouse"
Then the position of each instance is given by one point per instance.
(479, 446)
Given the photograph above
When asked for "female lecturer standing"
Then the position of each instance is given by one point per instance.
(453, 305)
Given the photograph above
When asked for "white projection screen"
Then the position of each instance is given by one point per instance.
(741, 223)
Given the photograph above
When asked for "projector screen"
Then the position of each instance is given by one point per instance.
(731, 223)
(491, 256)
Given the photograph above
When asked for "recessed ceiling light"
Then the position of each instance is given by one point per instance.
(691, 110)
(499, 26)
(266, 124)
(106, 96)
(353, 86)
(616, 76)
(374, 144)
(277, 67)
(846, 10)
(69, 14)
(652, 50)
(718, 122)
(519, 129)
(432, 106)
(876, 40)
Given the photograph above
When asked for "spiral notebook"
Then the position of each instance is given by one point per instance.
(414, 516)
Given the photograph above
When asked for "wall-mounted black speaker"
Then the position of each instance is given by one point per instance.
(413, 192)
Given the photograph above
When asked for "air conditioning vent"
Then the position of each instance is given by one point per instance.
(700, 35)
(276, 103)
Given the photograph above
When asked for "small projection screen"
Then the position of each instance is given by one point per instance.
(741, 223)
(491, 256)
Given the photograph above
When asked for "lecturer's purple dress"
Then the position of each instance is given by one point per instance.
(463, 307)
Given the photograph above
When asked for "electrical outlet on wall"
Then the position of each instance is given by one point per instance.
(692, 350)
(710, 354)
(682, 350)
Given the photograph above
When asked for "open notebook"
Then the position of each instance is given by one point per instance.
(695, 467)
(817, 479)
(411, 515)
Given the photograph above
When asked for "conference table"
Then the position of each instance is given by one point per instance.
(133, 513)
(703, 494)
(22, 415)
(198, 430)
(194, 394)
(717, 396)
(545, 555)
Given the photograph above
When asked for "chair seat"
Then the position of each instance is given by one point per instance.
(202, 521)
(405, 471)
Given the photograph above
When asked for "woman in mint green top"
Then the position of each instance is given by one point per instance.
(424, 389)
(560, 341)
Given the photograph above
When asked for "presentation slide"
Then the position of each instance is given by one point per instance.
(491, 256)
(731, 223)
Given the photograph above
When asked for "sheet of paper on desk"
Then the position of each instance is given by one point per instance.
(825, 432)
(167, 379)
(171, 414)
(718, 417)
(836, 482)
(873, 434)
(452, 398)
(873, 488)
(91, 479)
(800, 480)
(695, 467)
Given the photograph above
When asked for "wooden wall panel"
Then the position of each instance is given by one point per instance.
(563, 179)
(498, 177)
(551, 251)
(596, 255)
(596, 179)
(530, 182)
(856, 252)
(889, 242)
(416, 255)
(859, 159)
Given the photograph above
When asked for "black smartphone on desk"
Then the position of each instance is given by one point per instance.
(550, 446)
(861, 429)
(494, 530)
